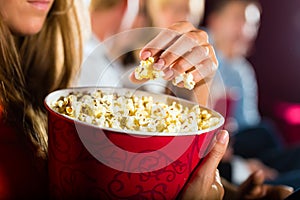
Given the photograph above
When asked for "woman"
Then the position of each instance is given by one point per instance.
(40, 52)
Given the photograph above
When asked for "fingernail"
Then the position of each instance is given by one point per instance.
(290, 189)
(259, 173)
(214, 67)
(168, 74)
(159, 64)
(206, 51)
(145, 55)
(222, 137)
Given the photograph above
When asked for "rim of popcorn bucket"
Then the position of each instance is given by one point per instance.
(53, 96)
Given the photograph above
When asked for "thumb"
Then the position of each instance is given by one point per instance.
(205, 181)
(212, 160)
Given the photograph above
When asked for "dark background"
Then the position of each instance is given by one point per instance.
(276, 59)
(277, 55)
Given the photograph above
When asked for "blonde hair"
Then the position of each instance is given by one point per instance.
(33, 66)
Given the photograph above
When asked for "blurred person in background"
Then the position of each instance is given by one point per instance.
(108, 42)
(232, 26)
(106, 18)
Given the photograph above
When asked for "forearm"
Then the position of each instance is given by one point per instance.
(202, 92)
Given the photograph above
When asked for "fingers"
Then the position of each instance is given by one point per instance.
(134, 80)
(185, 46)
(269, 173)
(184, 54)
(256, 178)
(181, 48)
(259, 189)
(165, 38)
(254, 188)
(204, 70)
(279, 192)
(190, 60)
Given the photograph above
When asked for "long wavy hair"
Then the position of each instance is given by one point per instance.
(33, 66)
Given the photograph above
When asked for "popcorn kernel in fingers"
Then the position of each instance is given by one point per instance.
(187, 79)
(146, 71)
(178, 79)
(189, 82)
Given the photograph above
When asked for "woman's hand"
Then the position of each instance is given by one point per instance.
(182, 48)
(205, 183)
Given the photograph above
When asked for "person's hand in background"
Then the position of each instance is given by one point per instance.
(255, 189)
(255, 165)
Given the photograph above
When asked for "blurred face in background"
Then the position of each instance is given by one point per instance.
(168, 13)
(236, 26)
(25, 17)
(106, 17)
(163, 13)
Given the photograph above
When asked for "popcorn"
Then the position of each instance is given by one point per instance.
(144, 121)
(130, 112)
(188, 81)
(115, 123)
(186, 78)
(146, 71)
(130, 123)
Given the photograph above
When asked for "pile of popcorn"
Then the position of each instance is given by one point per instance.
(146, 71)
(130, 112)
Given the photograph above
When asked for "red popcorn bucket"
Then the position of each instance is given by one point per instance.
(90, 162)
